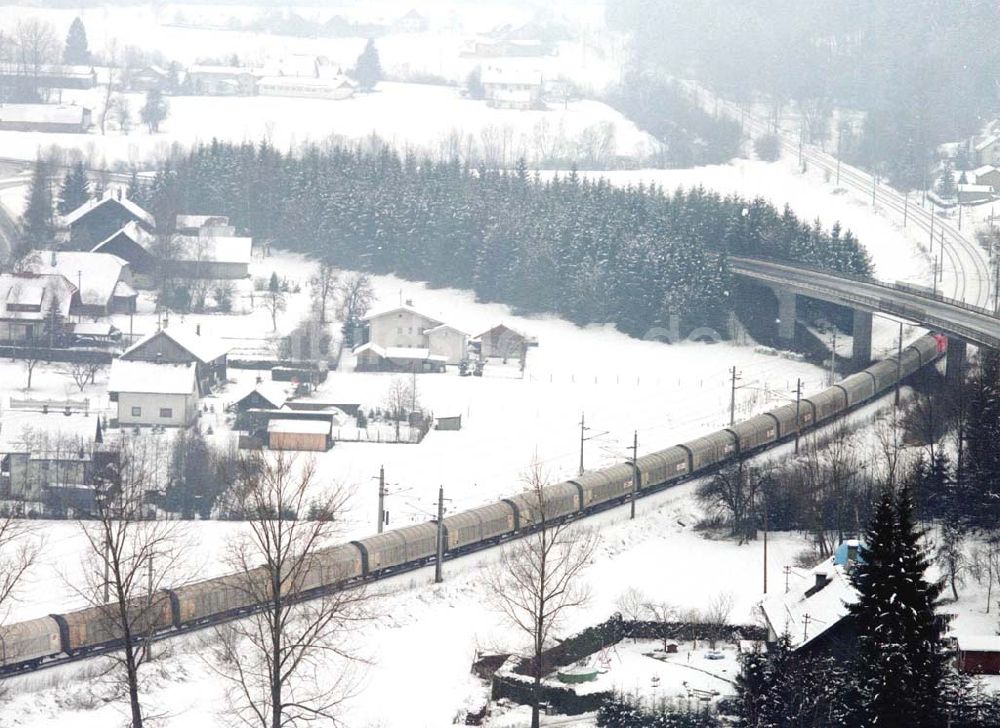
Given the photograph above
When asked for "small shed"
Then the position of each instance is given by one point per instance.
(979, 654)
(313, 435)
(449, 423)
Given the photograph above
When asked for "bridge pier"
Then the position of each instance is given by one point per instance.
(861, 330)
(786, 315)
(954, 367)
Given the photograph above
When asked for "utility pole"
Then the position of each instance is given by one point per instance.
(899, 360)
(107, 569)
(798, 406)
(932, 227)
(583, 439)
(840, 136)
(381, 497)
(735, 377)
(959, 215)
(635, 472)
(788, 572)
(874, 186)
(833, 358)
(763, 501)
(805, 626)
(935, 275)
(906, 206)
(149, 576)
(440, 537)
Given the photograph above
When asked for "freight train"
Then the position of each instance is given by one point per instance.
(34, 643)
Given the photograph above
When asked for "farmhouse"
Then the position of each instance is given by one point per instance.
(332, 89)
(210, 257)
(503, 342)
(96, 220)
(30, 302)
(183, 346)
(154, 394)
(132, 244)
(103, 281)
(45, 118)
(394, 331)
(512, 89)
(315, 435)
(222, 80)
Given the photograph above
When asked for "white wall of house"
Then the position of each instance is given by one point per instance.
(400, 328)
(448, 343)
(169, 410)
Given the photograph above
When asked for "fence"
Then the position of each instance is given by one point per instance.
(55, 405)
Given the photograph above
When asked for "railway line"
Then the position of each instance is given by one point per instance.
(971, 277)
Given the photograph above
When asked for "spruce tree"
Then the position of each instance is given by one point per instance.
(900, 662)
(76, 52)
(75, 189)
(154, 111)
(37, 225)
(368, 69)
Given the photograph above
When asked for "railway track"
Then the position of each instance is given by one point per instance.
(970, 280)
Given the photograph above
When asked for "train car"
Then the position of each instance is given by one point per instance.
(751, 434)
(785, 416)
(659, 467)
(561, 499)
(479, 524)
(929, 348)
(711, 449)
(98, 626)
(27, 643)
(331, 566)
(884, 373)
(400, 546)
(230, 594)
(857, 387)
(910, 362)
(600, 486)
(828, 403)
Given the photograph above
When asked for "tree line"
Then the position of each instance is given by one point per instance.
(567, 244)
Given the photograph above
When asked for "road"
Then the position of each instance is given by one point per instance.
(979, 326)
(963, 258)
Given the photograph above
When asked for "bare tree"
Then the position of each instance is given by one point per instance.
(538, 577)
(716, 616)
(888, 446)
(130, 558)
(31, 355)
(34, 45)
(19, 548)
(324, 286)
(81, 373)
(278, 662)
(107, 107)
(401, 399)
(631, 605)
(733, 493)
(664, 614)
(274, 300)
(355, 296)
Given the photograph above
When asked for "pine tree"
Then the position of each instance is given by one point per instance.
(368, 69)
(947, 187)
(76, 52)
(900, 663)
(154, 111)
(37, 225)
(75, 189)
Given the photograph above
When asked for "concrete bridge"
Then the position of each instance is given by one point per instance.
(963, 323)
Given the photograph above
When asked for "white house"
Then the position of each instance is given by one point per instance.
(29, 301)
(512, 88)
(154, 394)
(404, 327)
(331, 89)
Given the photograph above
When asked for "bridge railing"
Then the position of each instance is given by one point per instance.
(911, 289)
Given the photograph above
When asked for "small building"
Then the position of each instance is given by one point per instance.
(210, 257)
(48, 76)
(404, 327)
(412, 22)
(979, 654)
(154, 394)
(50, 118)
(200, 224)
(448, 342)
(153, 77)
(449, 423)
(30, 303)
(987, 175)
(133, 245)
(98, 219)
(265, 395)
(331, 89)
(512, 88)
(300, 434)
(175, 345)
(973, 194)
(987, 151)
(222, 80)
(96, 333)
(103, 281)
(374, 358)
(503, 342)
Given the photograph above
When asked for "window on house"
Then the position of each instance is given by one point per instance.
(137, 411)
(166, 412)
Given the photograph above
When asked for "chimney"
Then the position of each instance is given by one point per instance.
(821, 581)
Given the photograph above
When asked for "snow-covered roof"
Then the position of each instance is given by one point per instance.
(979, 643)
(193, 222)
(399, 352)
(405, 308)
(95, 274)
(203, 348)
(30, 289)
(307, 427)
(43, 113)
(214, 249)
(23, 431)
(109, 198)
(93, 328)
(975, 188)
(151, 378)
(988, 141)
(444, 327)
(300, 81)
(985, 169)
(504, 327)
(511, 77)
(223, 70)
(132, 231)
(276, 393)
(124, 290)
(804, 615)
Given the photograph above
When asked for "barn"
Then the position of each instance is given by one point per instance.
(96, 220)
(183, 346)
(979, 654)
(286, 434)
(132, 244)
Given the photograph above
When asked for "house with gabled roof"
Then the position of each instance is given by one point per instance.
(504, 342)
(179, 345)
(103, 281)
(210, 257)
(99, 218)
(392, 332)
(133, 244)
(30, 301)
(148, 393)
